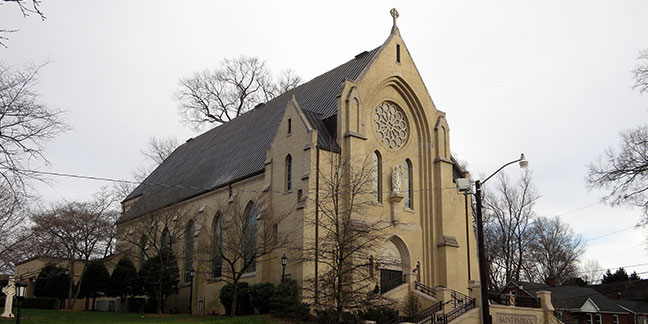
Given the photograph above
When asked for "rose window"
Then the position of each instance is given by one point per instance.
(390, 125)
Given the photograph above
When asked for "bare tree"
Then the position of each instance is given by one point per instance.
(624, 173)
(640, 72)
(248, 233)
(553, 252)
(508, 214)
(591, 271)
(25, 124)
(159, 148)
(347, 238)
(12, 217)
(216, 96)
(286, 81)
(153, 235)
(76, 231)
(27, 8)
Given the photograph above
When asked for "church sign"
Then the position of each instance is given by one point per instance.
(505, 318)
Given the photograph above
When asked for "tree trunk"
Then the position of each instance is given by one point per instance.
(94, 302)
(234, 293)
(78, 290)
(87, 301)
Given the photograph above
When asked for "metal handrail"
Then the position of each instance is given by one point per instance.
(513, 300)
(428, 313)
(425, 289)
(446, 318)
(459, 299)
(423, 316)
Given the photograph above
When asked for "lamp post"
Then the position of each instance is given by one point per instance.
(483, 271)
(284, 262)
(69, 292)
(192, 274)
(21, 288)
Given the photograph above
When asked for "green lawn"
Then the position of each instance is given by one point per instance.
(36, 316)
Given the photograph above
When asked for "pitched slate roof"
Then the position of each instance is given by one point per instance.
(237, 149)
(572, 297)
(637, 307)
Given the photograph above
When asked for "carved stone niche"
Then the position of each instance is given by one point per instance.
(397, 193)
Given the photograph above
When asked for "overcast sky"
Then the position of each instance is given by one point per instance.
(547, 78)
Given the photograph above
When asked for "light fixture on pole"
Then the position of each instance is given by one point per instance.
(192, 274)
(21, 288)
(483, 271)
(69, 291)
(284, 262)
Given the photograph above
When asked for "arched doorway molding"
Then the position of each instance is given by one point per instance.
(394, 263)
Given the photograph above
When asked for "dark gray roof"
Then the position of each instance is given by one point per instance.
(630, 290)
(637, 307)
(324, 138)
(572, 297)
(237, 149)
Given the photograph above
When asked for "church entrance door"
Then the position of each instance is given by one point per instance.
(390, 279)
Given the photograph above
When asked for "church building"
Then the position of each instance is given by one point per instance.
(372, 110)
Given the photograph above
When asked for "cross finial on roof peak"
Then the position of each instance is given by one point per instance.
(394, 14)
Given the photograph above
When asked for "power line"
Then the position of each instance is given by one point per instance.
(612, 233)
(86, 177)
(579, 208)
(164, 185)
(625, 266)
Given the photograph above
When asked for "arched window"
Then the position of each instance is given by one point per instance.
(217, 259)
(165, 239)
(377, 176)
(409, 186)
(250, 243)
(189, 250)
(142, 246)
(288, 172)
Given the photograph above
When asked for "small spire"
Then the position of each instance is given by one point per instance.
(394, 14)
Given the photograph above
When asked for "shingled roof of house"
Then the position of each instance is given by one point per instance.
(237, 150)
(572, 297)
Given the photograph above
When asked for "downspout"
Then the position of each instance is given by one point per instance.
(317, 171)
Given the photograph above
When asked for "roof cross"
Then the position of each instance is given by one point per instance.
(394, 14)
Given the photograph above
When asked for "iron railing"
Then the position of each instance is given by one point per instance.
(424, 316)
(513, 300)
(427, 315)
(458, 299)
(447, 318)
(425, 289)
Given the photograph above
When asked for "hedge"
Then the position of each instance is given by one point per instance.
(40, 302)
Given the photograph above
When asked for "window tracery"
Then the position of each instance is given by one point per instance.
(390, 125)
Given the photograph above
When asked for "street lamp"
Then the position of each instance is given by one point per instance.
(483, 272)
(21, 288)
(69, 292)
(192, 274)
(284, 262)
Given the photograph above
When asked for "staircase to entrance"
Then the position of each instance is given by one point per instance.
(443, 311)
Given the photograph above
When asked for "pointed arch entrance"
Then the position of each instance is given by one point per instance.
(394, 263)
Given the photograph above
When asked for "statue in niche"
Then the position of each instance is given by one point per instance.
(397, 180)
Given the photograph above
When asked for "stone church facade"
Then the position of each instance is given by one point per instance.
(374, 108)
